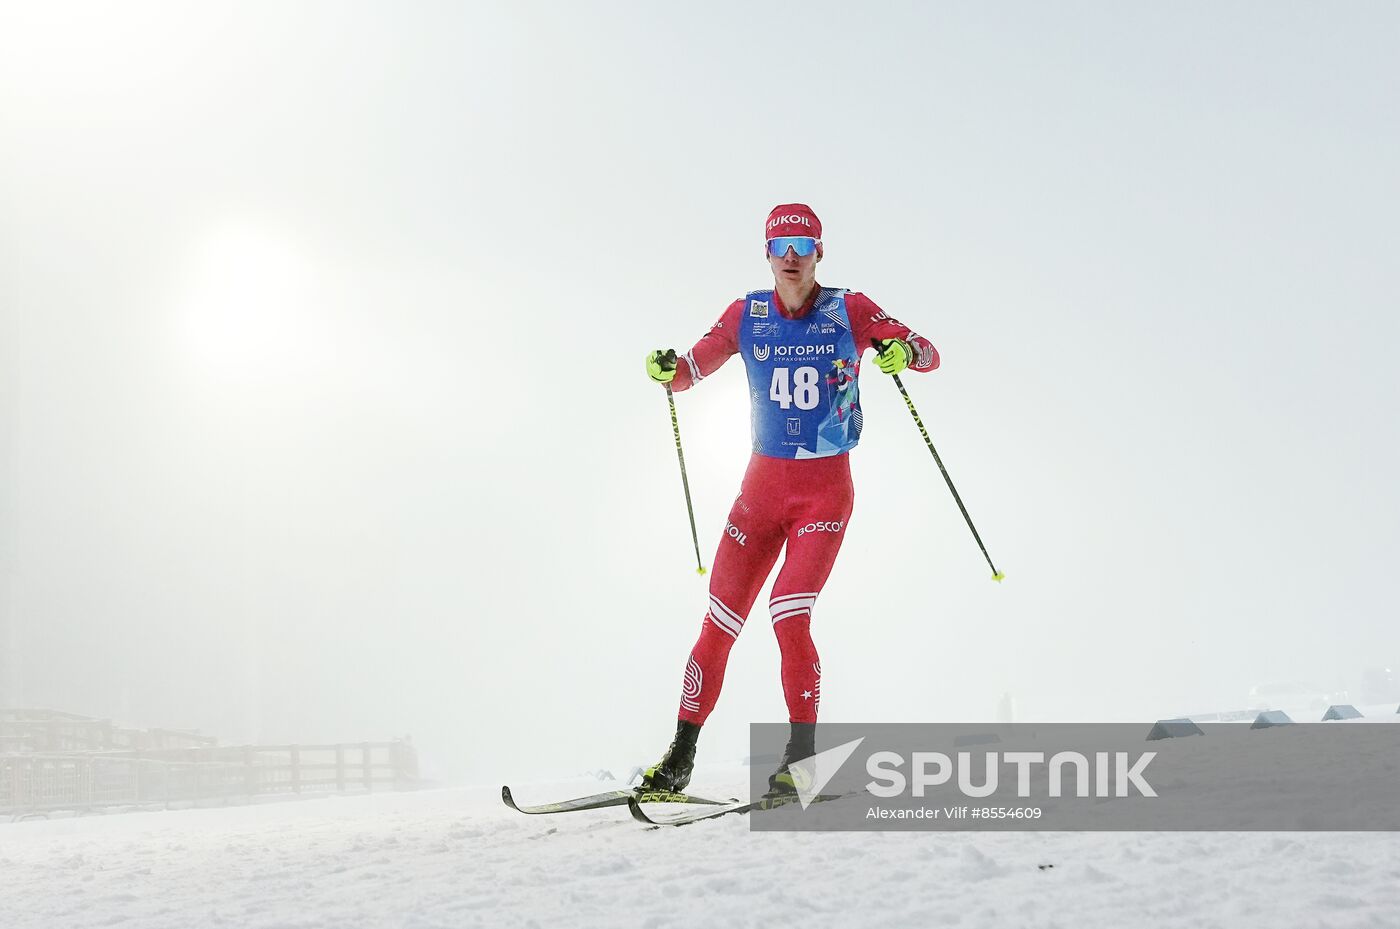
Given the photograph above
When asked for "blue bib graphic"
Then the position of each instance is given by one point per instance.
(802, 377)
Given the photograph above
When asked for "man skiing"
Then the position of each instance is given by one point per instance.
(801, 345)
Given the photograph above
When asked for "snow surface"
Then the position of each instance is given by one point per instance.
(458, 858)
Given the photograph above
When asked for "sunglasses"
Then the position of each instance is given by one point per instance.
(803, 245)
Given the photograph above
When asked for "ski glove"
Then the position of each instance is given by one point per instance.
(661, 365)
(893, 356)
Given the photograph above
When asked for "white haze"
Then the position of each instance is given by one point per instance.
(322, 413)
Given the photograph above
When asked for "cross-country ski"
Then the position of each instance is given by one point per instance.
(606, 799)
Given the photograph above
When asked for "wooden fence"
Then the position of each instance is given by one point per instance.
(35, 730)
(186, 770)
(33, 783)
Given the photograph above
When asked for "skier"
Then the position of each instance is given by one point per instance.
(802, 346)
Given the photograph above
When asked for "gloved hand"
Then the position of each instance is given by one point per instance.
(661, 365)
(893, 357)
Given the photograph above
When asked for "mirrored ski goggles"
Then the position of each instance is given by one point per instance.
(803, 245)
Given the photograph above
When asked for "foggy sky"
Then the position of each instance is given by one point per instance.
(322, 411)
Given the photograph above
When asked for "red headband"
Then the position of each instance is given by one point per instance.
(792, 219)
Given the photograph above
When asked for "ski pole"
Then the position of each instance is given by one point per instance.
(996, 575)
(670, 359)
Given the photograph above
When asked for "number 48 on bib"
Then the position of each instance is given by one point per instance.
(795, 387)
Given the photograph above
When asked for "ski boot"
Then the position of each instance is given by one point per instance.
(672, 772)
(801, 746)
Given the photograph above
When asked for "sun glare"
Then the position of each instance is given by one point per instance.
(249, 306)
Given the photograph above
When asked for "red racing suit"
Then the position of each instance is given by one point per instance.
(802, 503)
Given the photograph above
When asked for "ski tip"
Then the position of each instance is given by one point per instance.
(999, 577)
(635, 808)
(507, 799)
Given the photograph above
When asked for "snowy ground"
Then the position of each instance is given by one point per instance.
(458, 857)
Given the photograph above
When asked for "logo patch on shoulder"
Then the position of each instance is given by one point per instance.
(758, 308)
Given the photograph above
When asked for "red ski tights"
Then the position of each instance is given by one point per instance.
(805, 505)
